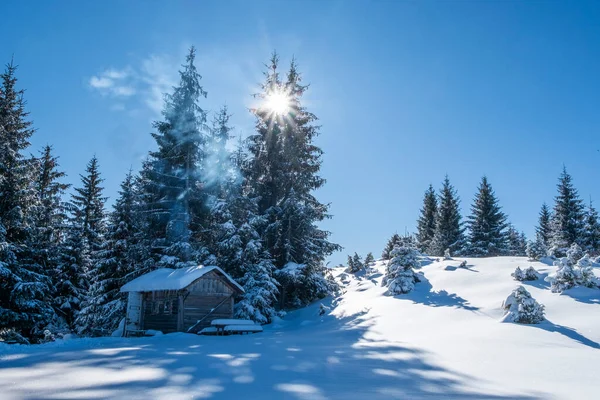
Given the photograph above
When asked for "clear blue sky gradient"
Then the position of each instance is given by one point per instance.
(405, 92)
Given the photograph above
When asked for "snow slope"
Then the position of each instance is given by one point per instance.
(444, 340)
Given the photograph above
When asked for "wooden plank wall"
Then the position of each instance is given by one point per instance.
(205, 294)
(155, 316)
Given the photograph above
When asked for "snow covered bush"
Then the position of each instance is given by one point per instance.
(530, 274)
(574, 253)
(568, 275)
(520, 307)
(355, 264)
(536, 249)
(447, 255)
(400, 277)
(369, 260)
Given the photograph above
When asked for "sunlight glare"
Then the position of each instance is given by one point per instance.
(278, 103)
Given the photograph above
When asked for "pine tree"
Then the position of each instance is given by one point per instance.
(25, 287)
(449, 233)
(283, 173)
(394, 241)
(544, 229)
(114, 266)
(172, 178)
(591, 241)
(517, 242)
(426, 222)
(369, 260)
(85, 238)
(567, 222)
(487, 224)
(218, 158)
(400, 276)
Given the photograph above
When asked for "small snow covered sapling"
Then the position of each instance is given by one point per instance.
(530, 274)
(400, 277)
(568, 275)
(447, 255)
(574, 253)
(520, 307)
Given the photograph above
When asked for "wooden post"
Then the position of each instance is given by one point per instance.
(180, 311)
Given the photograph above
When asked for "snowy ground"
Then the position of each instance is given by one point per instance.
(442, 341)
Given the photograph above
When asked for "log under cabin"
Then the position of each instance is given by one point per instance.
(180, 300)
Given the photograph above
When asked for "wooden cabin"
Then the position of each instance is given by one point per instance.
(179, 300)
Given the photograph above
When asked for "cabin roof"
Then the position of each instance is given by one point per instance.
(174, 279)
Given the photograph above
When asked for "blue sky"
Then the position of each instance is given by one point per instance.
(405, 92)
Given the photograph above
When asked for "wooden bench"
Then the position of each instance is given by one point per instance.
(211, 330)
(240, 326)
(241, 329)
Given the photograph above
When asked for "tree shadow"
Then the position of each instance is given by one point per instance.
(583, 295)
(424, 294)
(566, 331)
(333, 360)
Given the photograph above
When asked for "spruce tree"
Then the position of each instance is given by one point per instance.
(449, 233)
(426, 222)
(517, 243)
(591, 243)
(544, 229)
(394, 241)
(25, 287)
(218, 162)
(567, 223)
(114, 266)
(172, 177)
(85, 238)
(283, 173)
(487, 224)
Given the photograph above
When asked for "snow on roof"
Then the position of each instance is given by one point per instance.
(173, 279)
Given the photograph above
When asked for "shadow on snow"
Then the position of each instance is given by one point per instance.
(324, 358)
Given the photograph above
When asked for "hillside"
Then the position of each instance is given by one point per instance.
(444, 340)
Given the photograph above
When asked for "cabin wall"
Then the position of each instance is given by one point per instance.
(161, 310)
(210, 291)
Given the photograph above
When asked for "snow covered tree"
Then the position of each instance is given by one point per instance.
(114, 266)
(49, 214)
(283, 173)
(536, 249)
(355, 263)
(544, 229)
(394, 241)
(400, 276)
(426, 221)
(530, 274)
(567, 223)
(520, 307)
(517, 242)
(369, 260)
(261, 288)
(172, 178)
(591, 242)
(218, 158)
(84, 239)
(574, 253)
(487, 224)
(449, 233)
(569, 275)
(25, 287)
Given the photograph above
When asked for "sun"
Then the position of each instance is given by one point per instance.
(278, 103)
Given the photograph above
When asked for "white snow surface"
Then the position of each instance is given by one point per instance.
(444, 340)
(172, 279)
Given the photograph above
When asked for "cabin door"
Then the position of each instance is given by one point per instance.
(134, 311)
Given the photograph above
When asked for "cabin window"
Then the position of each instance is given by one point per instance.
(163, 307)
